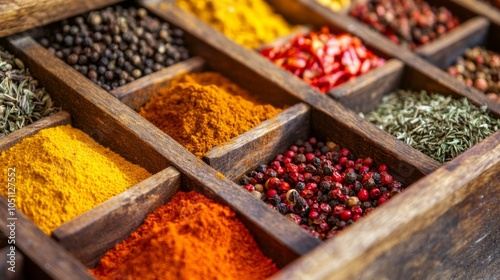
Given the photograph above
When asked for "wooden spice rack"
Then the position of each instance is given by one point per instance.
(445, 224)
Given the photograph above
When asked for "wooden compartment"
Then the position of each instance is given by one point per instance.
(444, 223)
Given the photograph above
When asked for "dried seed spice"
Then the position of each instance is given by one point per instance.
(251, 23)
(61, 173)
(410, 23)
(324, 60)
(479, 68)
(190, 238)
(437, 125)
(203, 110)
(321, 188)
(116, 45)
(334, 5)
(22, 100)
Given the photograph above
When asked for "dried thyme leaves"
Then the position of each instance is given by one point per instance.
(22, 101)
(439, 126)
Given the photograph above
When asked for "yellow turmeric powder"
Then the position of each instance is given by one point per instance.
(248, 22)
(203, 110)
(61, 172)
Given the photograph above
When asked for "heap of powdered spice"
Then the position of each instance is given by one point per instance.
(251, 23)
(191, 237)
(203, 110)
(61, 173)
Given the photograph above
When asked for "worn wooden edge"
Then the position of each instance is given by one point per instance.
(22, 15)
(88, 104)
(56, 119)
(89, 236)
(11, 263)
(137, 93)
(39, 248)
(347, 255)
(261, 144)
(447, 47)
(363, 93)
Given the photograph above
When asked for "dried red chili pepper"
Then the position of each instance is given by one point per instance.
(322, 59)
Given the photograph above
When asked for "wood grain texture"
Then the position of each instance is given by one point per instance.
(261, 144)
(442, 51)
(21, 15)
(40, 249)
(454, 215)
(138, 92)
(89, 236)
(363, 93)
(94, 109)
(59, 118)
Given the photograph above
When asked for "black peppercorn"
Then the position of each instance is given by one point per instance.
(300, 186)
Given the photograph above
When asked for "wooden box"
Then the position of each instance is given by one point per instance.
(444, 225)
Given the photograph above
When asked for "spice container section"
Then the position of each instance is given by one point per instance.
(211, 109)
(479, 68)
(322, 59)
(70, 164)
(321, 188)
(250, 23)
(191, 237)
(116, 45)
(23, 101)
(439, 126)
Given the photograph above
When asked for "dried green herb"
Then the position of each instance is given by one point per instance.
(22, 101)
(437, 125)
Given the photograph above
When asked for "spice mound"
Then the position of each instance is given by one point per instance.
(322, 59)
(191, 237)
(409, 23)
(116, 45)
(61, 172)
(479, 68)
(22, 100)
(251, 23)
(321, 188)
(437, 125)
(203, 110)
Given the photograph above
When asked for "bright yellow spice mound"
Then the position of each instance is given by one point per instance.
(203, 110)
(61, 172)
(248, 22)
